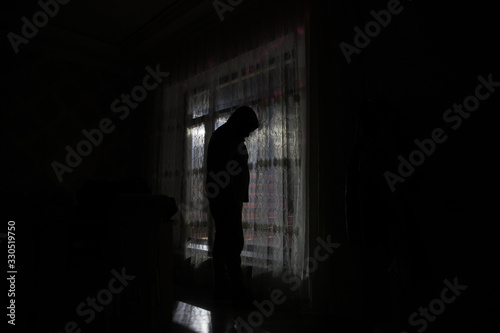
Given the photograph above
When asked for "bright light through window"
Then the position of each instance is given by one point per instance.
(196, 136)
(221, 121)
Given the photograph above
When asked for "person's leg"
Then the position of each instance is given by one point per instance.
(233, 259)
(219, 265)
(221, 290)
(228, 244)
(234, 245)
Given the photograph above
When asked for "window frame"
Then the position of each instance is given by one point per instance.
(291, 57)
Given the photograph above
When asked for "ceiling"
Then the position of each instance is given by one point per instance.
(110, 21)
(110, 27)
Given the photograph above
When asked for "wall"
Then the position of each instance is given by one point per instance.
(47, 102)
(50, 101)
(424, 61)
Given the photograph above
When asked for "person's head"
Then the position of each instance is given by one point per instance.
(243, 121)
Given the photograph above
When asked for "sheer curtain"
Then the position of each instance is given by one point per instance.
(266, 73)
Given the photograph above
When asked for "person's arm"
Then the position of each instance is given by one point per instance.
(241, 178)
(220, 181)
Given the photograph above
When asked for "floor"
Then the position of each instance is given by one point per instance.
(196, 312)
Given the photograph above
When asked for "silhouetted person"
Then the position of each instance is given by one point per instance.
(227, 185)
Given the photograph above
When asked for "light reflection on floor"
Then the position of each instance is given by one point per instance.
(196, 312)
(220, 319)
(193, 318)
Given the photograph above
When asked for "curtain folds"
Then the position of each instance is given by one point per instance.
(264, 69)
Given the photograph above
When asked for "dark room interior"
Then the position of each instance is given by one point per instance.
(371, 179)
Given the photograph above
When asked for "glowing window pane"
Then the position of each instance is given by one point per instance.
(196, 140)
(199, 104)
(220, 121)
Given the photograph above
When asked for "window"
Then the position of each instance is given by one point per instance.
(267, 80)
